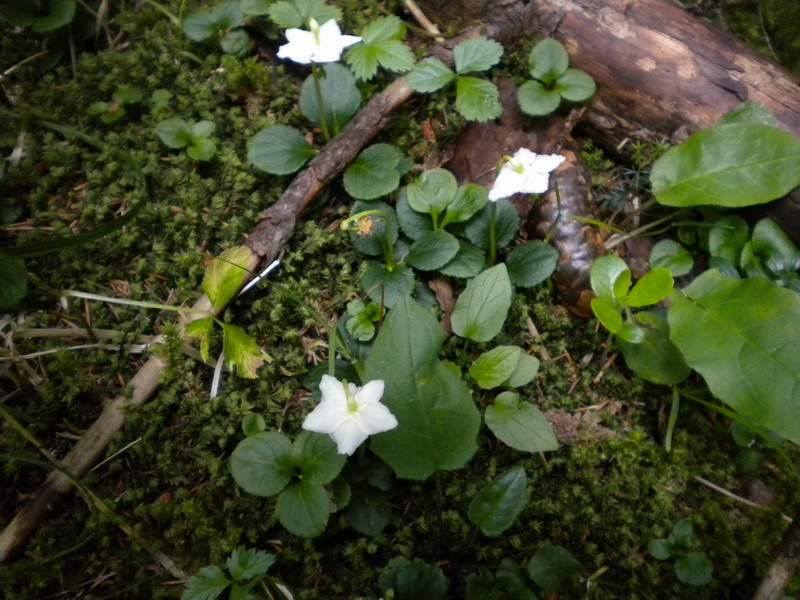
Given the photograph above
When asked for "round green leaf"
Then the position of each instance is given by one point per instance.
(373, 173)
(174, 132)
(575, 86)
(669, 254)
(506, 225)
(631, 332)
(202, 150)
(279, 149)
(548, 60)
(651, 289)
(413, 580)
(303, 508)
(655, 359)
(253, 424)
(494, 367)
(340, 96)
(519, 424)
(477, 54)
(536, 100)
(430, 75)
(432, 191)
(433, 250)
(660, 549)
(316, 458)
(694, 568)
(682, 533)
(13, 282)
(495, 508)
(477, 99)
(552, 566)
(469, 261)
(258, 463)
(531, 263)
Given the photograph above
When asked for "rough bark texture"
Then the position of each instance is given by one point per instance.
(784, 566)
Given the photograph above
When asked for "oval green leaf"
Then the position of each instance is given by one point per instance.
(482, 307)
(477, 54)
(575, 86)
(655, 359)
(669, 254)
(651, 289)
(432, 251)
(340, 95)
(494, 367)
(520, 425)
(303, 508)
(536, 100)
(373, 173)
(495, 508)
(258, 463)
(430, 75)
(531, 263)
(548, 60)
(279, 149)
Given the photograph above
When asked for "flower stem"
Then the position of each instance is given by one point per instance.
(323, 117)
(492, 234)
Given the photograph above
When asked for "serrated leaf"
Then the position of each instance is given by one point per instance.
(651, 289)
(482, 307)
(373, 173)
(259, 463)
(255, 8)
(385, 287)
(743, 337)
(432, 251)
(469, 261)
(241, 352)
(207, 584)
(244, 564)
(737, 164)
(494, 367)
(669, 254)
(548, 60)
(531, 263)
(519, 424)
(575, 86)
(382, 29)
(393, 55)
(430, 75)
(296, 14)
(225, 275)
(340, 95)
(655, 358)
(477, 99)
(303, 509)
(174, 132)
(477, 54)
(552, 566)
(536, 100)
(495, 508)
(201, 330)
(200, 25)
(279, 149)
(432, 191)
(13, 282)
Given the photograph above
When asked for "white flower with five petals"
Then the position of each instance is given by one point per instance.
(525, 172)
(323, 44)
(350, 414)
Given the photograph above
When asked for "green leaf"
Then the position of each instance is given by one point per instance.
(496, 366)
(432, 251)
(575, 86)
(631, 332)
(430, 75)
(61, 14)
(303, 508)
(607, 313)
(727, 238)
(495, 508)
(340, 95)
(279, 149)
(368, 512)
(225, 275)
(316, 458)
(235, 42)
(548, 60)
(361, 327)
(775, 249)
(504, 583)
(413, 580)
(469, 199)
(750, 112)
(531, 263)
(743, 337)
(604, 274)
(382, 29)
(694, 568)
(208, 584)
(655, 358)
(255, 8)
(432, 191)
(244, 564)
(477, 99)
(128, 95)
(242, 354)
(374, 172)
(174, 132)
(660, 549)
(519, 424)
(385, 287)
(374, 232)
(201, 330)
(201, 150)
(536, 100)
(438, 421)
(682, 533)
(552, 566)
(160, 98)
(364, 59)
(414, 224)
(482, 307)
(669, 254)
(651, 289)
(469, 261)
(296, 14)
(738, 164)
(526, 370)
(506, 225)
(253, 424)
(259, 463)
(477, 54)
(13, 282)
(228, 14)
(200, 25)
(202, 129)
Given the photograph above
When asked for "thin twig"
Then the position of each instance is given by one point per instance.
(423, 20)
(733, 496)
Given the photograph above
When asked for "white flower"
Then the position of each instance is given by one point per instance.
(350, 414)
(525, 172)
(322, 44)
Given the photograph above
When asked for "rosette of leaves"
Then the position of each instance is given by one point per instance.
(244, 569)
(476, 99)
(361, 324)
(222, 22)
(113, 111)
(222, 280)
(553, 80)
(381, 46)
(194, 137)
(691, 567)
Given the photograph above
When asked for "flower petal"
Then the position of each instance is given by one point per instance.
(371, 393)
(545, 163)
(327, 417)
(348, 437)
(333, 391)
(377, 418)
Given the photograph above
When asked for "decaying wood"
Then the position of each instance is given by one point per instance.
(783, 567)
